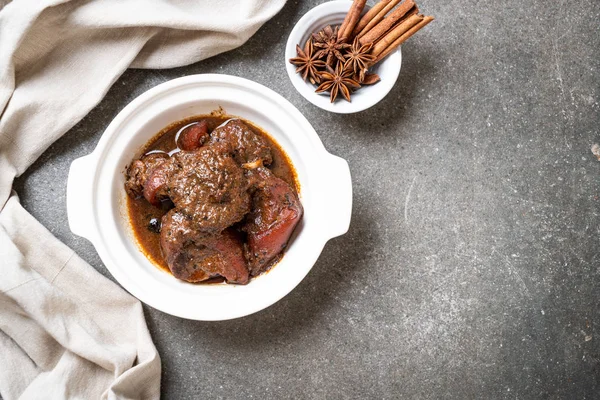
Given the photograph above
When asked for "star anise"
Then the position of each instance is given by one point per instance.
(336, 81)
(325, 34)
(370, 79)
(358, 58)
(307, 63)
(331, 47)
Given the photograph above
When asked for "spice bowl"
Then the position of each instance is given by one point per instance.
(333, 13)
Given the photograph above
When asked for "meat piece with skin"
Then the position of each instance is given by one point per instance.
(276, 210)
(233, 265)
(156, 186)
(139, 170)
(194, 256)
(193, 137)
(245, 145)
(210, 188)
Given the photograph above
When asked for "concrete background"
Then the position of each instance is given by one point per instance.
(471, 268)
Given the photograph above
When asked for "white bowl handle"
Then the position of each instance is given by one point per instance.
(338, 193)
(79, 197)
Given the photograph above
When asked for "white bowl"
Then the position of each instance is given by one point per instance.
(96, 200)
(333, 13)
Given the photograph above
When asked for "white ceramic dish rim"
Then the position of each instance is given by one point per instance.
(326, 193)
(329, 13)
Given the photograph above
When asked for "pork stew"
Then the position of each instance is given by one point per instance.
(212, 199)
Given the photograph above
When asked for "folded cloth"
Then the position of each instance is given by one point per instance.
(66, 331)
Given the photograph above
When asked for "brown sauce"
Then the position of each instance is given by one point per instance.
(141, 212)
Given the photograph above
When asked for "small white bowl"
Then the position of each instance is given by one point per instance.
(96, 199)
(333, 13)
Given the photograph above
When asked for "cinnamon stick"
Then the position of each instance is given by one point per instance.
(395, 33)
(378, 17)
(402, 39)
(388, 22)
(369, 16)
(351, 19)
(412, 11)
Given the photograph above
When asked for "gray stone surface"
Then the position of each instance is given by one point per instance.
(472, 266)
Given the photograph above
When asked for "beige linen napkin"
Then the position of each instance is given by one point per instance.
(66, 331)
